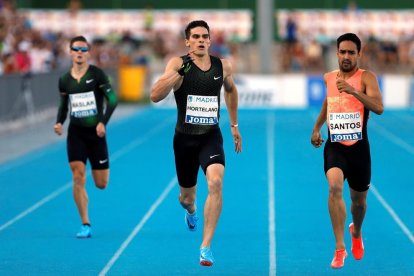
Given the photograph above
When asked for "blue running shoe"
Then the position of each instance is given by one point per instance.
(191, 221)
(206, 256)
(85, 232)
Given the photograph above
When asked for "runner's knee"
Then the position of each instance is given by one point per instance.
(360, 204)
(79, 177)
(101, 183)
(186, 200)
(101, 178)
(215, 184)
(335, 190)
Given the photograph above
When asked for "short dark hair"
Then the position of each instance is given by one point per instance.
(349, 37)
(195, 24)
(78, 38)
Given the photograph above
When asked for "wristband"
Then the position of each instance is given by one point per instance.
(181, 71)
(186, 65)
(235, 125)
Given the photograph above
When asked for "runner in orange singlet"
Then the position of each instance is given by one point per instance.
(351, 94)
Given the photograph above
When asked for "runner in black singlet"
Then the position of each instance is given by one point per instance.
(351, 94)
(197, 79)
(86, 93)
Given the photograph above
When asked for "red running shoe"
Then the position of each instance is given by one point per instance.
(357, 244)
(339, 258)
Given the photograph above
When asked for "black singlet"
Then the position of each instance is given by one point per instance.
(198, 99)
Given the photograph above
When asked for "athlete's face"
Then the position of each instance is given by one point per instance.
(79, 52)
(347, 56)
(199, 41)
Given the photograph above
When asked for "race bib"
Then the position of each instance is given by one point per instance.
(83, 105)
(202, 110)
(345, 126)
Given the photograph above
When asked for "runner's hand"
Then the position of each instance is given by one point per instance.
(58, 129)
(100, 130)
(316, 139)
(186, 65)
(343, 86)
(237, 139)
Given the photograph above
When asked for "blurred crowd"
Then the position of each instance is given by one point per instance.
(310, 52)
(24, 49)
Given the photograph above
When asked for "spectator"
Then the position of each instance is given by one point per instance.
(22, 58)
(74, 6)
(411, 55)
(314, 58)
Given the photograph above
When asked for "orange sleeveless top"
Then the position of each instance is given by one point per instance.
(345, 113)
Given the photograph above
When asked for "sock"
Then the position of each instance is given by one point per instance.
(192, 214)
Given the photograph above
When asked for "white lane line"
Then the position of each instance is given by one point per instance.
(139, 226)
(68, 185)
(271, 192)
(394, 138)
(36, 205)
(37, 152)
(392, 213)
(11, 164)
(408, 148)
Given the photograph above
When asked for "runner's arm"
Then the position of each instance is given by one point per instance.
(370, 97)
(111, 102)
(63, 108)
(316, 138)
(231, 98)
(169, 80)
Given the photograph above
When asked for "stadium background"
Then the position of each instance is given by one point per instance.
(277, 107)
(217, 4)
(291, 59)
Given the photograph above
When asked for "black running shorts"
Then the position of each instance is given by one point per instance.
(84, 144)
(354, 161)
(193, 151)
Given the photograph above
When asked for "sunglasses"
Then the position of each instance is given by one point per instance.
(82, 49)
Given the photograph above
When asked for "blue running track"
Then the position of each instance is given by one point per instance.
(275, 219)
